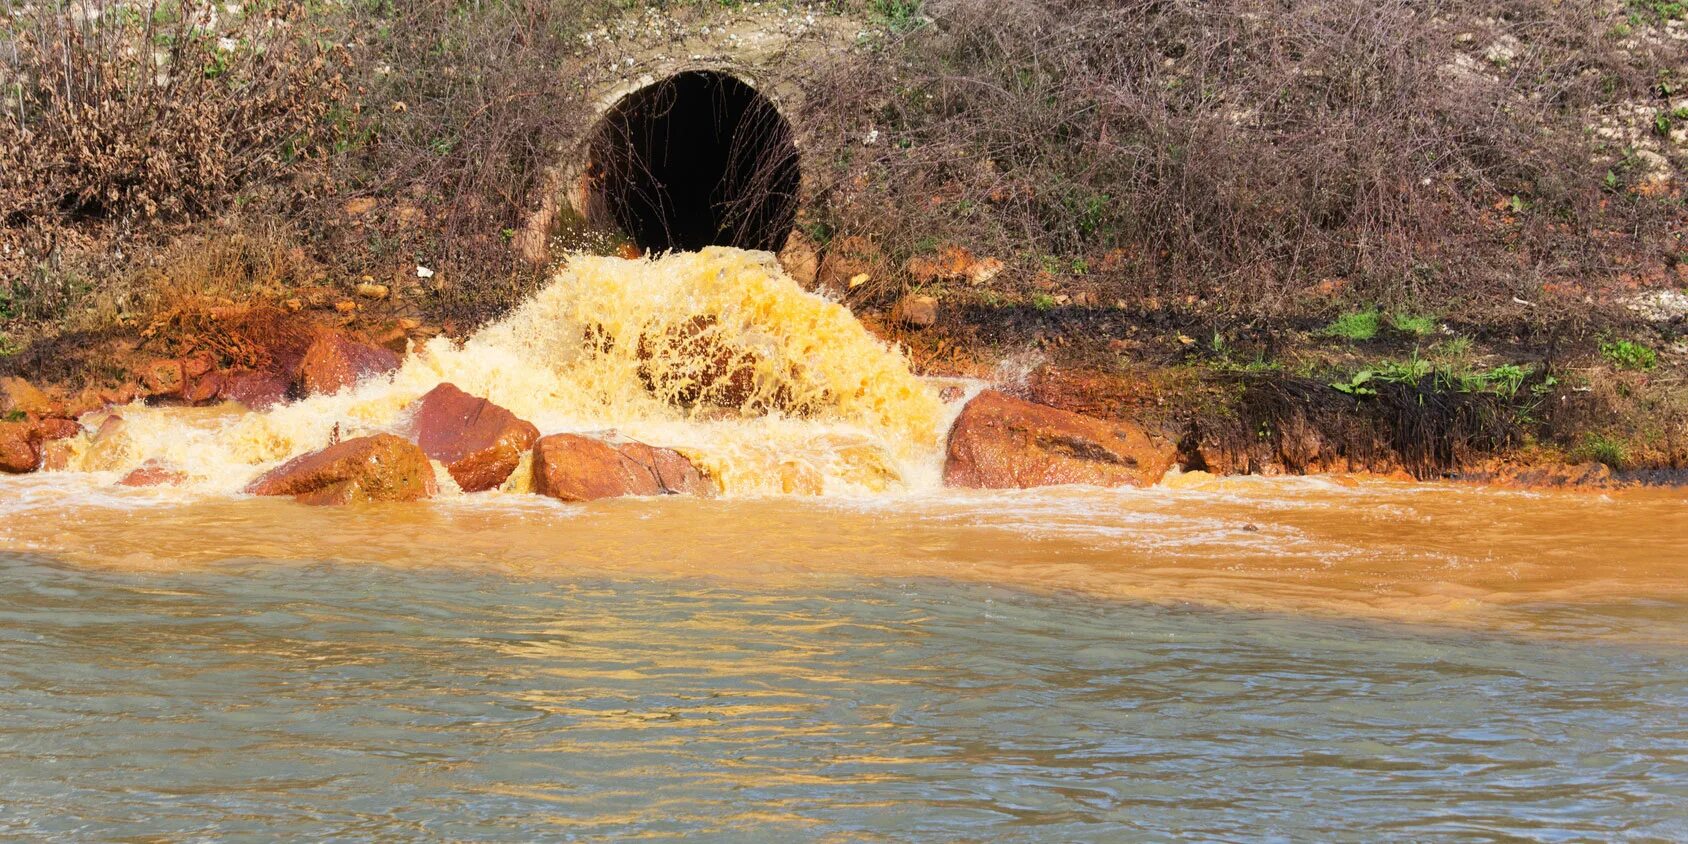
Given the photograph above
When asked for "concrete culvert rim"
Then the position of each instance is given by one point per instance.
(697, 159)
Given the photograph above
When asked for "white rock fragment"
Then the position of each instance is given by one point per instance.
(1660, 305)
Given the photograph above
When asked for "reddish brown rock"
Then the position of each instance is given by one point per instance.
(375, 468)
(479, 442)
(57, 428)
(335, 362)
(848, 258)
(256, 390)
(951, 262)
(20, 447)
(18, 395)
(91, 399)
(579, 468)
(689, 364)
(196, 365)
(163, 378)
(800, 259)
(915, 311)
(1000, 442)
(203, 388)
(153, 473)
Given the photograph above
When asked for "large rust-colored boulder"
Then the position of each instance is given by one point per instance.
(203, 389)
(580, 468)
(375, 468)
(999, 442)
(479, 442)
(335, 362)
(57, 428)
(20, 447)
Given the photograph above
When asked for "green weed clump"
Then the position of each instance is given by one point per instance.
(1418, 325)
(1355, 325)
(1603, 449)
(1628, 354)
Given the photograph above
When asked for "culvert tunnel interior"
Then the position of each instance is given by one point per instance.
(695, 160)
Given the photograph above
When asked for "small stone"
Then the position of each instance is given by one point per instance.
(916, 311)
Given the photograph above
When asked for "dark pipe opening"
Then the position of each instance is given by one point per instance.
(695, 160)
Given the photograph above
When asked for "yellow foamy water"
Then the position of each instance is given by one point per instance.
(823, 406)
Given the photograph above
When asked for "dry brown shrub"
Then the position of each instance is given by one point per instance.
(120, 113)
(1241, 151)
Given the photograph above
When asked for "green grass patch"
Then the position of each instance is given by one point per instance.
(898, 15)
(1355, 325)
(1418, 325)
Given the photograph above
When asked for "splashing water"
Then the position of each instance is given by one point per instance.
(810, 401)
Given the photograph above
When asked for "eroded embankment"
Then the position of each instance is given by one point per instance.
(632, 376)
(709, 372)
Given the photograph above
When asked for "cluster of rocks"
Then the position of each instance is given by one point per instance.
(997, 442)
(32, 421)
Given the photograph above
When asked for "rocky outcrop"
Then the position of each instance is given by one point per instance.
(375, 468)
(581, 468)
(1000, 442)
(335, 362)
(479, 442)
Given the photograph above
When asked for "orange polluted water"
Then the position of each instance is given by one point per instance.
(1611, 565)
(878, 659)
